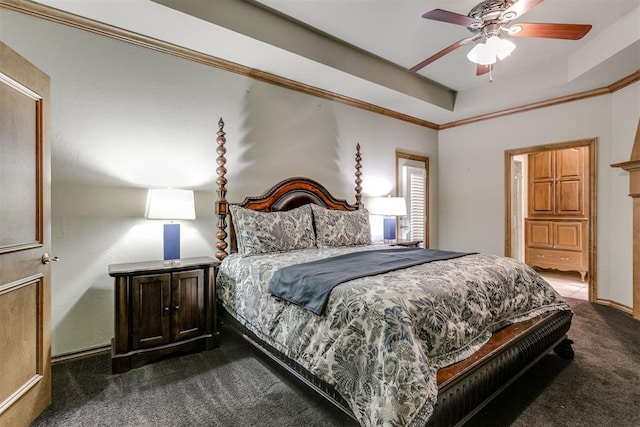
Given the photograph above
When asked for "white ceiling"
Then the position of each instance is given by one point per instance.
(385, 38)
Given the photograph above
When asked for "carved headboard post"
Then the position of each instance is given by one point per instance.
(222, 207)
(358, 179)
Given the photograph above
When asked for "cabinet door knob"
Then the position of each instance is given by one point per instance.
(176, 308)
(165, 310)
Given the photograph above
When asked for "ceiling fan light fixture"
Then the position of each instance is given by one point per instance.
(488, 20)
(488, 53)
(500, 47)
(480, 54)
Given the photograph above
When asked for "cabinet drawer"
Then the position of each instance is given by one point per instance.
(563, 260)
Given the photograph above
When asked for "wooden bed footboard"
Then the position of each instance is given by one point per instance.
(467, 386)
(463, 388)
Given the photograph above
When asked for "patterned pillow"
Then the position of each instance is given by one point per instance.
(262, 232)
(341, 228)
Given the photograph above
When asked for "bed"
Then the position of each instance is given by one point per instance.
(428, 344)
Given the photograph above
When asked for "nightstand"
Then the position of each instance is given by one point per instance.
(162, 308)
(407, 243)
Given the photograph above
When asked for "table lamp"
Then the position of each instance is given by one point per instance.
(171, 204)
(390, 208)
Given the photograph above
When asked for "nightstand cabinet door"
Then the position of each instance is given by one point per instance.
(151, 298)
(187, 304)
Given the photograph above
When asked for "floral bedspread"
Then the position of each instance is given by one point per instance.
(382, 338)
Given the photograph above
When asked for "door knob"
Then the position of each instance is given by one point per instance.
(46, 259)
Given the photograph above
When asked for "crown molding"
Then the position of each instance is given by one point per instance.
(49, 13)
(606, 90)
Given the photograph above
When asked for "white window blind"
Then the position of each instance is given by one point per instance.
(416, 190)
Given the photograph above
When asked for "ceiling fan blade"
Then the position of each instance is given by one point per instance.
(438, 55)
(483, 69)
(519, 8)
(450, 17)
(550, 31)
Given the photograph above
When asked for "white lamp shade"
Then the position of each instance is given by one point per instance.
(500, 47)
(170, 204)
(488, 53)
(481, 55)
(388, 206)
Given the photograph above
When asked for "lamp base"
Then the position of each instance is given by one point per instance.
(171, 242)
(389, 228)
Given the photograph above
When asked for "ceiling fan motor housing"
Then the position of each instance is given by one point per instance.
(491, 12)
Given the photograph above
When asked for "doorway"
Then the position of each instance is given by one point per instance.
(538, 236)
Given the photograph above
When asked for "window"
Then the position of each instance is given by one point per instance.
(415, 196)
(412, 184)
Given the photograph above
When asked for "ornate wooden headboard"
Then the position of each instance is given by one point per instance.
(285, 195)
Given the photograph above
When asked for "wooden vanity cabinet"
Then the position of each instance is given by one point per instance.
(556, 229)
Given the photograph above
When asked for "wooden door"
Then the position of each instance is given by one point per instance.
(188, 304)
(541, 183)
(25, 280)
(151, 310)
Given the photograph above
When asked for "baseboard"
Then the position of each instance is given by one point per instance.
(614, 304)
(65, 357)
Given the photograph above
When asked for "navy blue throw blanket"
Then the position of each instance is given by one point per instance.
(309, 284)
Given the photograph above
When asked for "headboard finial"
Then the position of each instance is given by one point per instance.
(358, 175)
(222, 207)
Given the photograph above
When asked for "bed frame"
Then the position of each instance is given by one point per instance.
(463, 388)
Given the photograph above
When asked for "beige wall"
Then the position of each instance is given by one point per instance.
(125, 119)
(471, 157)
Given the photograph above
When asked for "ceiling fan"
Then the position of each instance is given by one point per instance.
(489, 23)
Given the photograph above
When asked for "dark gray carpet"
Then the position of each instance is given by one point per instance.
(228, 386)
(599, 387)
(232, 386)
